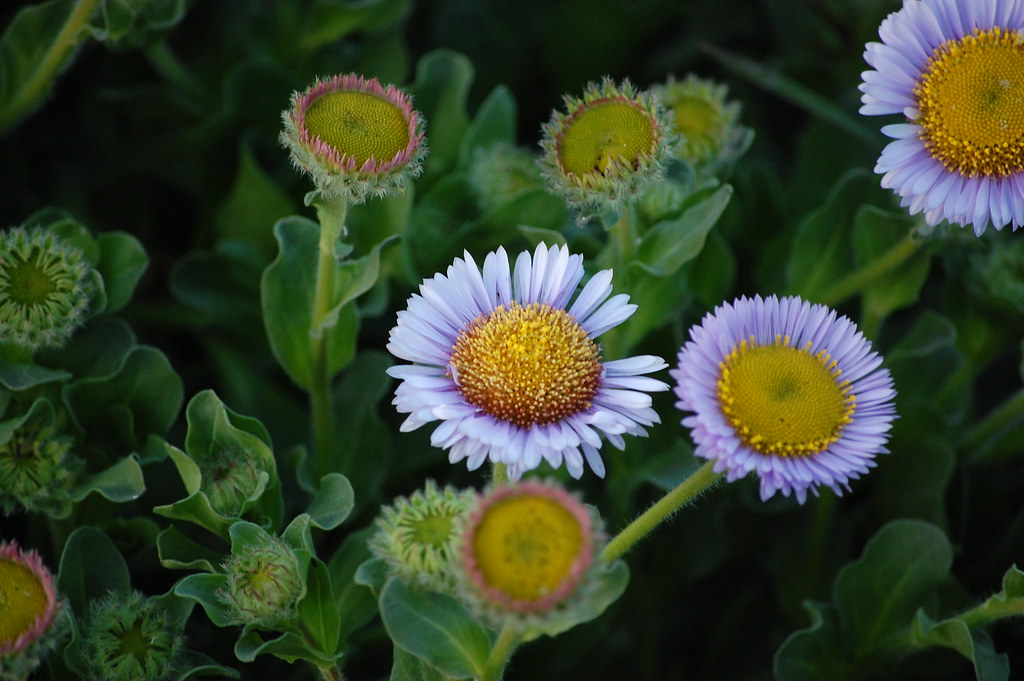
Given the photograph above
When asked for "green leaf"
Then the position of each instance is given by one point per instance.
(975, 645)
(442, 85)
(821, 251)
(537, 235)
(96, 349)
(408, 667)
(298, 534)
(876, 232)
(289, 646)
(897, 574)
(332, 503)
(122, 263)
(197, 664)
(128, 23)
(142, 396)
(814, 653)
(373, 573)
(668, 244)
(495, 122)
(196, 508)
(287, 289)
(434, 627)
(253, 205)
(327, 22)
(356, 603)
(121, 482)
(923, 360)
(19, 377)
(36, 46)
(177, 552)
(90, 566)
(318, 611)
(203, 589)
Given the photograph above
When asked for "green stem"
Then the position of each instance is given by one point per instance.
(331, 673)
(1001, 418)
(499, 474)
(992, 610)
(332, 226)
(625, 236)
(24, 99)
(500, 653)
(856, 281)
(702, 479)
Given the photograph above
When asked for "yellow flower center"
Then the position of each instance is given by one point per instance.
(694, 117)
(782, 400)
(971, 98)
(23, 600)
(360, 125)
(607, 132)
(527, 365)
(526, 546)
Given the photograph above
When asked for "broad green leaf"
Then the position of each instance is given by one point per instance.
(533, 206)
(814, 653)
(121, 482)
(289, 646)
(318, 611)
(821, 251)
(196, 508)
(298, 534)
(96, 349)
(442, 85)
(204, 589)
(494, 122)
(177, 552)
(17, 376)
(197, 664)
(537, 235)
(434, 627)
(711, 276)
(373, 573)
(975, 645)
(287, 290)
(129, 23)
(898, 573)
(668, 244)
(90, 566)
(253, 204)
(923, 360)
(327, 22)
(122, 263)
(352, 279)
(408, 667)
(356, 603)
(332, 503)
(142, 396)
(34, 48)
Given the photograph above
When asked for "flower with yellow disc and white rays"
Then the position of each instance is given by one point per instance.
(955, 70)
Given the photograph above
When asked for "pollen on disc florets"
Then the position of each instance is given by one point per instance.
(606, 146)
(527, 365)
(32, 619)
(354, 137)
(525, 553)
(37, 468)
(45, 288)
(416, 534)
(264, 583)
(131, 637)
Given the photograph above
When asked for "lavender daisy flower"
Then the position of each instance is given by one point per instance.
(512, 370)
(955, 70)
(786, 390)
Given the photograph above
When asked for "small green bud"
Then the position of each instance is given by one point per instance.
(500, 172)
(415, 534)
(230, 478)
(264, 584)
(130, 637)
(45, 288)
(36, 468)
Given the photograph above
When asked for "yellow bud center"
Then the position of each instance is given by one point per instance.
(971, 97)
(526, 546)
(606, 132)
(530, 365)
(784, 401)
(360, 125)
(694, 117)
(23, 600)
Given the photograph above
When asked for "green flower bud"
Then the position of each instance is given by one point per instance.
(45, 288)
(130, 637)
(264, 584)
(500, 172)
(36, 467)
(415, 534)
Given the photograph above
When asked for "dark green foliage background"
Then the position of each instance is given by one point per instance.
(170, 135)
